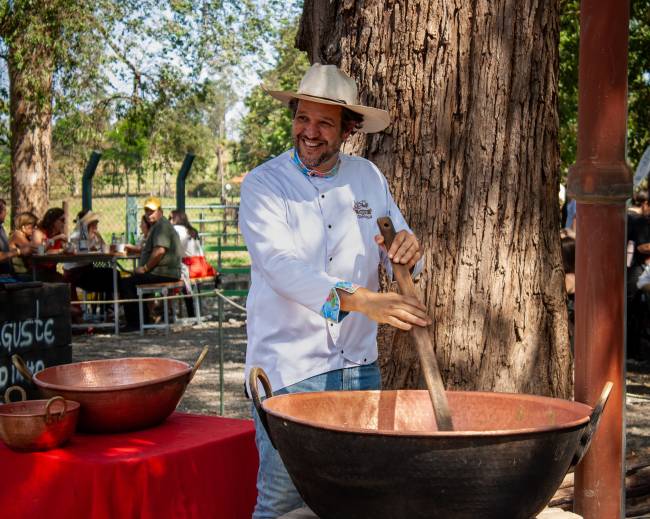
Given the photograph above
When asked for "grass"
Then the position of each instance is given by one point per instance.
(234, 259)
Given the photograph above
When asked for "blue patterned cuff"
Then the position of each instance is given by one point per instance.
(331, 310)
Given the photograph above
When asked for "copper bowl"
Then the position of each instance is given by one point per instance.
(360, 454)
(117, 395)
(37, 425)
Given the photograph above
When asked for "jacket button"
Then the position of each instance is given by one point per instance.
(322, 196)
(329, 226)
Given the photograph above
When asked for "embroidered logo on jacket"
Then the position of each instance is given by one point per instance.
(361, 208)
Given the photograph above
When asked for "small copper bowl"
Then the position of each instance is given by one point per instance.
(117, 395)
(37, 425)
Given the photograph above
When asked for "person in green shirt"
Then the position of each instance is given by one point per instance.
(160, 260)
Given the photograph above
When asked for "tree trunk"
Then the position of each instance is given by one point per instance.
(31, 70)
(220, 171)
(472, 159)
(166, 183)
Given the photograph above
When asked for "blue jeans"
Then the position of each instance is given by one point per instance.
(276, 494)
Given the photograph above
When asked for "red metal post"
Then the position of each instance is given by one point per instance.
(600, 181)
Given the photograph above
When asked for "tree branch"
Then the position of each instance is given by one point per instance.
(137, 73)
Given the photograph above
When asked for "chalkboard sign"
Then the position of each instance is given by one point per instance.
(34, 318)
(36, 361)
(35, 323)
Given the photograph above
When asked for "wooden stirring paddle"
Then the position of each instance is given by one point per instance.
(421, 337)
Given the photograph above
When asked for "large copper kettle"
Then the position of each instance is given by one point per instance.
(379, 454)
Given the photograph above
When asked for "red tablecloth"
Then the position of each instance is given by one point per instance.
(191, 466)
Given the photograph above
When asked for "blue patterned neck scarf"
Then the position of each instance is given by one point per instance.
(312, 172)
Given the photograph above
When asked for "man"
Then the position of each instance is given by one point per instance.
(638, 296)
(308, 218)
(160, 260)
(6, 253)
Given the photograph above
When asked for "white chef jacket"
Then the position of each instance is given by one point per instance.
(305, 234)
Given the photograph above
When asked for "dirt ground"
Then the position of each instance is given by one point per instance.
(203, 395)
(638, 408)
(184, 343)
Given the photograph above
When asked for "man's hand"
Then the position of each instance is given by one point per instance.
(405, 248)
(644, 248)
(156, 255)
(399, 311)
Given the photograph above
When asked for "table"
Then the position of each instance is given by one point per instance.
(547, 513)
(88, 257)
(189, 467)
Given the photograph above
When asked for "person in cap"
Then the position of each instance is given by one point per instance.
(160, 260)
(88, 276)
(308, 218)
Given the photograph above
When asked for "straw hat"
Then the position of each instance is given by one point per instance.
(152, 203)
(89, 218)
(329, 85)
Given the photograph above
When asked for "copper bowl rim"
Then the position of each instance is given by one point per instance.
(128, 360)
(437, 434)
(70, 407)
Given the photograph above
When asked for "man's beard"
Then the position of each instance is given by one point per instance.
(315, 162)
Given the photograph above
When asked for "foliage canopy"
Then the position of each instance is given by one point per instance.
(145, 81)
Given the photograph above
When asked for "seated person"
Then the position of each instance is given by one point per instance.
(20, 240)
(193, 255)
(194, 262)
(49, 232)
(145, 226)
(89, 222)
(569, 261)
(160, 260)
(638, 302)
(87, 275)
(7, 254)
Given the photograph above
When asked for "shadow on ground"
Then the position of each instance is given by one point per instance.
(185, 343)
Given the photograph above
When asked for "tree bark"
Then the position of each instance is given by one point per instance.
(472, 158)
(31, 69)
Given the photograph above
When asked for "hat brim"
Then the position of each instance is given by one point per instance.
(153, 207)
(89, 218)
(374, 119)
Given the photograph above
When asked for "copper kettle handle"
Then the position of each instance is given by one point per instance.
(255, 375)
(198, 362)
(48, 414)
(11, 389)
(590, 430)
(22, 368)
